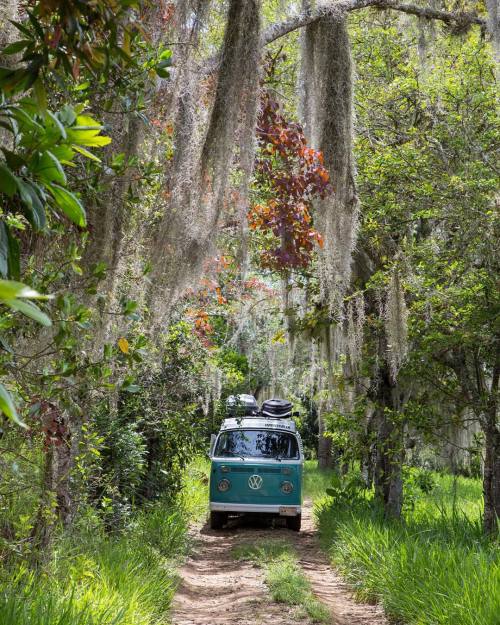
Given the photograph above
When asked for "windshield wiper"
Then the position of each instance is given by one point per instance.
(231, 453)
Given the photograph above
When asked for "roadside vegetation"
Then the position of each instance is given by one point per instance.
(434, 567)
(285, 579)
(95, 577)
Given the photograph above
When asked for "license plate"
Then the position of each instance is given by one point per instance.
(288, 511)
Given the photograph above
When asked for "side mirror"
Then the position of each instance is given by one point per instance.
(213, 438)
(296, 413)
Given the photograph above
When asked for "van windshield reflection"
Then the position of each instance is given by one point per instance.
(257, 444)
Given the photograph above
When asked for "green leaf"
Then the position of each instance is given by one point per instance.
(132, 388)
(63, 153)
(21, 28)
(162, 73)
(86, 153)
(10, 289)
(40, 96)
(67, 115)
(8, 182)
(7, 406)
(85, 122)
(14, 161)
(87, 138)
(16, 47)
(30, 197)
(60, 127)
(69, 204)
(166, 54)
(49, 169)
(30, 310)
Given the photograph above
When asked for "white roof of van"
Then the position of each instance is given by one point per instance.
(260, 423)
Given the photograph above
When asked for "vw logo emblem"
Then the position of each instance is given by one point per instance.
(255, 482)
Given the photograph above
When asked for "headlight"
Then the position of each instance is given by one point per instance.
(286, 487)
(224, 485)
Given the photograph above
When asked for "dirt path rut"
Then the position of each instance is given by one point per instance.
(217, 590)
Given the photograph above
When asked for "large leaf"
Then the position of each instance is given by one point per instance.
(49, 169)
(87, 138)
(58, 124)
(10, 289)
(8, 183)
(86, 153)
(69, 204)
(7, 406)
(33, 202)
(17, 46)
(30, 310)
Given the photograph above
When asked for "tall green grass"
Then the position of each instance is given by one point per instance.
(95, 578)
(433, 568)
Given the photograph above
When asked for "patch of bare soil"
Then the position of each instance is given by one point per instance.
(215, 589)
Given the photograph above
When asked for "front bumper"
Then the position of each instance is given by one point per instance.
(250, 507)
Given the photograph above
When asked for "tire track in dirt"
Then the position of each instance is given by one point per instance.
(215, 589)
(326, 583)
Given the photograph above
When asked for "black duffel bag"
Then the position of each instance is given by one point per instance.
(280, 408)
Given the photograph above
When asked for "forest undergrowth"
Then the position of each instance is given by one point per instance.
(97, 578)
(435, 567)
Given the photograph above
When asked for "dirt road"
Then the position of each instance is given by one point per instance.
(218, 590)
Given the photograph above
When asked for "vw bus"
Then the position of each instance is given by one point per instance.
(256, 466)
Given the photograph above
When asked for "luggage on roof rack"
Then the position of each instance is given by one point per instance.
(277, 408)
(241, 405)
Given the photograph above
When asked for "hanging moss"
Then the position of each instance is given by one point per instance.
(396, 324)
(209, 120)
(328, 77)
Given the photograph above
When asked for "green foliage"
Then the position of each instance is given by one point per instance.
(41, 145)
(284, 577)
(434, 568)
(347, 489)
(111, 581)
(155, 431)
(93, 578)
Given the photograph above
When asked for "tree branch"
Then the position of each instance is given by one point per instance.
(341, 7)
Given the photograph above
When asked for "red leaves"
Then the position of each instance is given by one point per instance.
(168, 11)
(292, 174)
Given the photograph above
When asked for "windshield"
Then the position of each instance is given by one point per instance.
(257, 444)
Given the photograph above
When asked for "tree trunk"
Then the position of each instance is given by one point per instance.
(491, 479)
(325, 458)
(389, 449)
(56, 502)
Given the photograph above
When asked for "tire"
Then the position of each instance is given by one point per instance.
(217, 520)
(293, 522)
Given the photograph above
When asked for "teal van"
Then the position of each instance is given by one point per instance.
(256, 467)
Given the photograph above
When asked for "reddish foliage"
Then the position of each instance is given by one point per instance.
(292, 175)
(51, 423)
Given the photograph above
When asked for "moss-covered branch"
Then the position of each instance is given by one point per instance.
(453, 18)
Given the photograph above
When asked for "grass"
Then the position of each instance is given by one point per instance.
(434, 568)
(285, 579)
(98, 579)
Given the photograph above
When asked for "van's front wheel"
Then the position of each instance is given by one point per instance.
(217, 519)
(294, 522)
